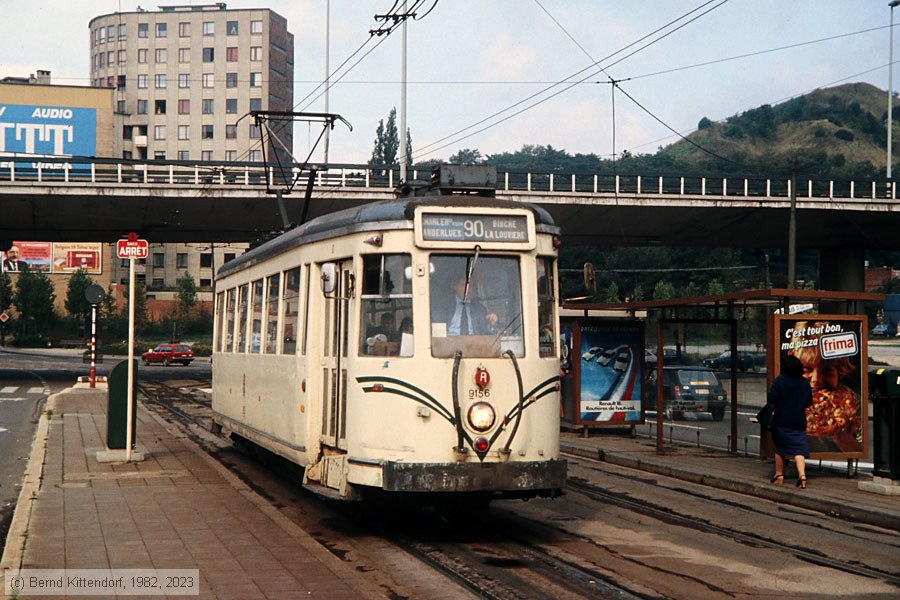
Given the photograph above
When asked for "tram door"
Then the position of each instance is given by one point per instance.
(334, 364)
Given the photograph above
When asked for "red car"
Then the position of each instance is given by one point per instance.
(168, 354)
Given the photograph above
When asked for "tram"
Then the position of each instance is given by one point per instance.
(404, 347)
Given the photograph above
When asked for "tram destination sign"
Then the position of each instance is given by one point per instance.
(455, 227)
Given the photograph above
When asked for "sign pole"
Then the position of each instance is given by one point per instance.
(129, 413)
(93, 346)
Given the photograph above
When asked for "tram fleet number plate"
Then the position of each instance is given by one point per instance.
(440, 227)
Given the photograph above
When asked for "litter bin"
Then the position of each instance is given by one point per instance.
(117, 407)
(884, 391)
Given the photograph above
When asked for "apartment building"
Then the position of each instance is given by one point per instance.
(183, 77)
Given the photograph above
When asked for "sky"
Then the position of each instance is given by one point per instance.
(486, 75)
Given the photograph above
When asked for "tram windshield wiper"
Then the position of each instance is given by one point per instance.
(470, 269)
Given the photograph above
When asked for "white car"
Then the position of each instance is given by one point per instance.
(592, 352)
(622, 361)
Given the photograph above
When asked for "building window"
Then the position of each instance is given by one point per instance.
(206, 155)
(184, 29)
(231, 155)
(127, 131)
(184, 132)
(255, 53)
(184, 106)
(255, 26)
(209, 106)
(159, 132)
(158, 282)
(254, 132)
(209, 54)
(162, 30)
(231, 106)
(255, 103)
(208, 80)
(122, 57)
(230, 132)
(160, 55)
(256, 156)
(120, 107)
(207, 132)
(159, 155)
(159, 260)
(143, 30)
(181, 260)
(160, 81)
(142, 81)
(110, 58)
(231, 80)
(184, 155)
(232, 28)
(101, 57)
(102, 32)
(255, 79)
(159, 107)
(209, 28)
(206, 260)
(184, 55)
(184, 80)
(111, 32)
(122, 31)
(231, 54)
(120, 82)
(205, 283)
(142, 105)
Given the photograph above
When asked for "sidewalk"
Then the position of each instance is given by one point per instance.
(178, 509)
(829, 491)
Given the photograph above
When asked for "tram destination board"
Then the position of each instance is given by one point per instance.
(454, 227)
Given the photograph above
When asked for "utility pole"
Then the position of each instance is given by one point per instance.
(792, 231)
(403, 148)
(327, 70)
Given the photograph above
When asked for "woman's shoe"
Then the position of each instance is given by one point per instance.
(801, 483)
(777, 479)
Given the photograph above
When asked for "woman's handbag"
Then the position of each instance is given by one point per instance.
(765, 416)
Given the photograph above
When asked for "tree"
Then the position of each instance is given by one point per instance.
(140, 306)
(6, 291)
(387, 142)
(466, 156)
(34, 298)
(76, 303)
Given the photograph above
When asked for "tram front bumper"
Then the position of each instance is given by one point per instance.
(474, 477)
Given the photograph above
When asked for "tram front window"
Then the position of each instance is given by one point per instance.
(476, 305)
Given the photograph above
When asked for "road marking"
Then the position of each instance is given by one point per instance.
(18, 399)
(9, 389)
(36, 390)
(2, 430)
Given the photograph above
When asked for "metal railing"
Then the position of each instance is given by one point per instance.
(79, 170)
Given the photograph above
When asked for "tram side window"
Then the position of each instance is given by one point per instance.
(220, 321)
(228, 332)
(243, 313)
(546, 302)
(257, 316)
(386, 321)
(272, 297)
(291, 308)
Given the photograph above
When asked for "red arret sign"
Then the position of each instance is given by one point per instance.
(132, 248)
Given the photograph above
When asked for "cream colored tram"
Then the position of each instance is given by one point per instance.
(331, 349)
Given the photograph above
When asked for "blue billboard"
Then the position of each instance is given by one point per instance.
(47, 131)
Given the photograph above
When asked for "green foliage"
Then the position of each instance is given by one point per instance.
(34, 298)
(387, 142)
(186, 295)
(6, 291)
(76, 303)
(663, 290)
(141, 315)
(466, 156)
(704, 123)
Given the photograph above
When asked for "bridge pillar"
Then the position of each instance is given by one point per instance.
(842, 270)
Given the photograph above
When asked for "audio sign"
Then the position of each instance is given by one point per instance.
(444, 227)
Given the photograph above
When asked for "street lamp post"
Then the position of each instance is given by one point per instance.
(890, 113)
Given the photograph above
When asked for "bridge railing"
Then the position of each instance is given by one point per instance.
(84, 170)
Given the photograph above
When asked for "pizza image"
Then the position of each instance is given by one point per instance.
(833, 411)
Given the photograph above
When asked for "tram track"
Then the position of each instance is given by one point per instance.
(668, 515)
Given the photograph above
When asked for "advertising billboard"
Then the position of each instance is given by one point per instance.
(602, 366)
(28, 130)
(53, 257)
(832, 349)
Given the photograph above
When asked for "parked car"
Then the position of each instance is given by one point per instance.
(690, 390)
(746, 361)
(881, 329)
(168, 354)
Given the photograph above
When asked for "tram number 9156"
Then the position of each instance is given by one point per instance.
(478, 393)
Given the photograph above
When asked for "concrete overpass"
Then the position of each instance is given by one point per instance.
(179, 202)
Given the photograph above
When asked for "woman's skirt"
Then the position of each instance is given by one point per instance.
(790, 442)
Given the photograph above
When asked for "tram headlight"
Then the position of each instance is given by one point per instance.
(481, 416)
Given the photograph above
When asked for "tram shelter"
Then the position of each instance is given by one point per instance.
(721, 309)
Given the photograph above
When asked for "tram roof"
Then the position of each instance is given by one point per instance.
(371, 217)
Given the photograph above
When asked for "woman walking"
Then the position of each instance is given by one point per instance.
(790, 395)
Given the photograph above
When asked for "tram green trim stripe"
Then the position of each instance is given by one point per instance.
(423, 397)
